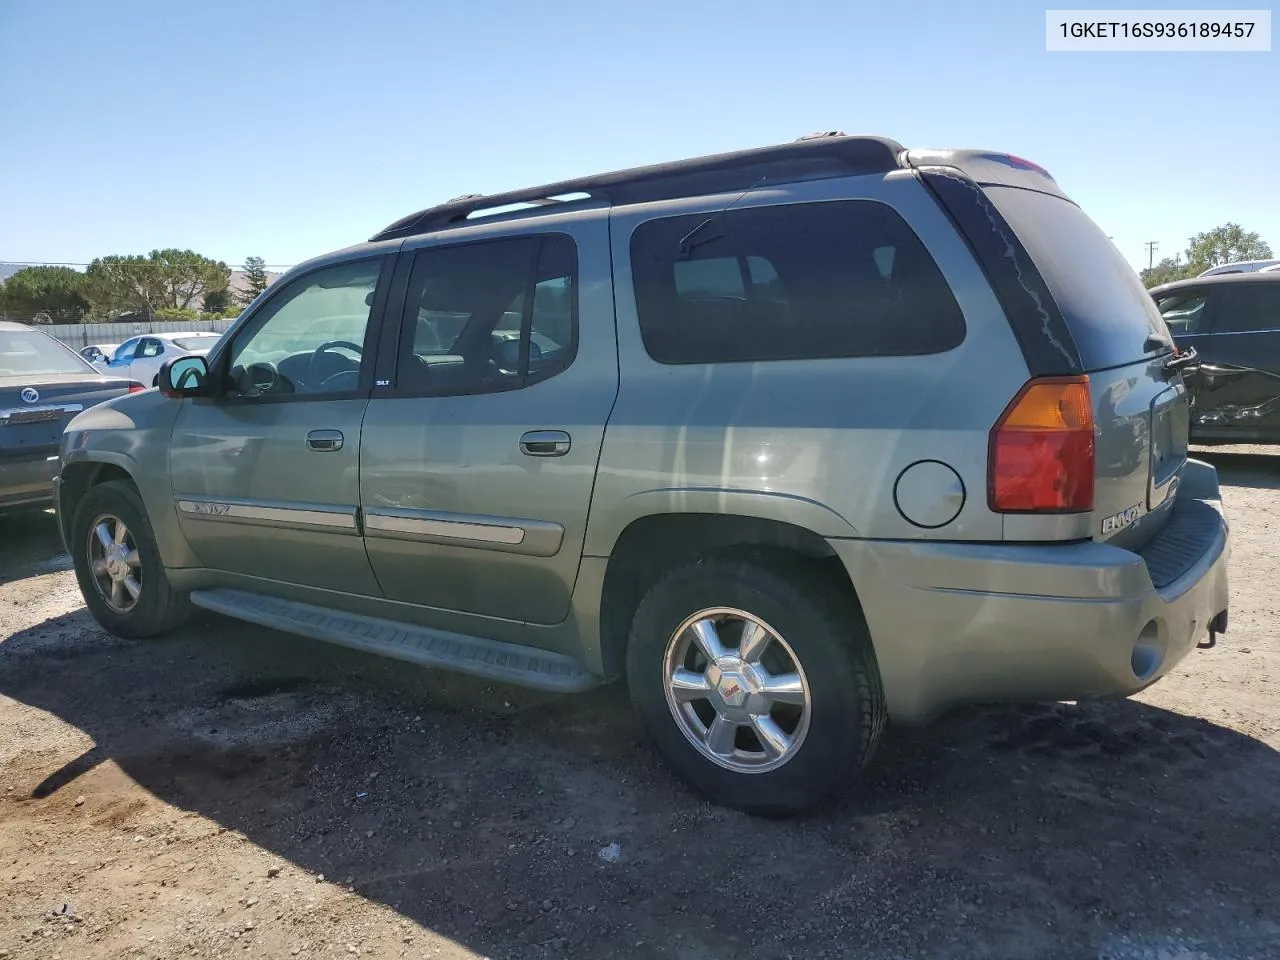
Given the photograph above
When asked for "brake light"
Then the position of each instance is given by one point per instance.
(136, 388)
(1041, 457)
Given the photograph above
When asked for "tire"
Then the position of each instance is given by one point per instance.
(820, 628)
(157, 607)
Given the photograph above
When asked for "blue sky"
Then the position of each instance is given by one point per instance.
(284, 128)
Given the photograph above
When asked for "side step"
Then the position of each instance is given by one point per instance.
(491, 659)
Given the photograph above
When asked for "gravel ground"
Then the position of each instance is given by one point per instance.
(231, 791)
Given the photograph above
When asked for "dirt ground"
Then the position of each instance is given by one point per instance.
(234, 792)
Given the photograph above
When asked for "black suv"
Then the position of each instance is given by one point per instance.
(1233, 322)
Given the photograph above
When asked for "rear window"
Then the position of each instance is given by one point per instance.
(1109, 312)
(196, 343)
(25, 354)
(846, 278)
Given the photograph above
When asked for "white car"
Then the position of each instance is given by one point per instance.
(1241, 266)
(140, 359)
(99, 354)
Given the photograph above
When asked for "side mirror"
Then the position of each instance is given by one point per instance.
(185, 377)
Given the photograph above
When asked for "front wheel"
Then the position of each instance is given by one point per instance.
(118, 564)
(757, 680)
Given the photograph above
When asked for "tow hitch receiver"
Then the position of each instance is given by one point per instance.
(1216, 626)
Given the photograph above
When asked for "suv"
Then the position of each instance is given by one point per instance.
(796, 439)
(1233, 322)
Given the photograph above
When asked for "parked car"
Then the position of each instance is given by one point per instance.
(141, 358)
(1233, 322)
(1240, 266)
(43, 384)
(899, 431)
(99, 354)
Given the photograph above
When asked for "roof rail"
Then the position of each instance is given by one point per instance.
(809, 158)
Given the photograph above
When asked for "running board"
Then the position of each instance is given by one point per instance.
(490, 659)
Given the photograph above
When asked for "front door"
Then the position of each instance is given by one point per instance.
(266, 477)
(479, 453)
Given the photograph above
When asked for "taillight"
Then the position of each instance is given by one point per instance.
(136, 388)
(1041, 454)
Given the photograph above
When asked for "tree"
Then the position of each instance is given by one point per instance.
(217, 301)
(164, 278)
(255, 278)
(1166, 271)
(1226, 244)
(58, 292)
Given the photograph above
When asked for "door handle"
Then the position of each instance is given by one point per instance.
(545, 443)
(325, 441)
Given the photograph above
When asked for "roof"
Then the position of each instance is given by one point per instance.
(1216, 280)
(815, 157)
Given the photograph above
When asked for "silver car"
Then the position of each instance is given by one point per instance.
(796, 440)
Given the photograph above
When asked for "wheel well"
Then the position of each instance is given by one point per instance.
(79, 478)
(652, 545)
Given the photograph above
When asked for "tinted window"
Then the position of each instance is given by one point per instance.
(125, 350)
(308, 337)
(1107, 309)
(25, 354)
(840, 279)
(489, 316)
(1246, 307)
(1184, 312)
(150, 347)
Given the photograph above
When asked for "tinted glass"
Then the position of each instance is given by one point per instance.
(25, 353)
(308, 337)
(489, 316)
(1184, 312)
(1107, 309)
(125, 350)
(839, 279)
(150, 347)
(1246, 307)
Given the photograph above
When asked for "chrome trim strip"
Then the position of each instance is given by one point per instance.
(54, 411)
(448, 529)
(311, 516)
(537, 538)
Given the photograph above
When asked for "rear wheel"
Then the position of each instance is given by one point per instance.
(118, 564)
(757, 680)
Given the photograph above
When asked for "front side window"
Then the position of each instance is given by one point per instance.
(308, 338)
(125, 350)
(490, 316)
(1184, 313)
(1248, 307)
(795, 281)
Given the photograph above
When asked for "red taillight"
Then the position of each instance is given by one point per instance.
(1041, 455)
(136, 388)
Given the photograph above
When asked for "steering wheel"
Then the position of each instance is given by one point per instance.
(324, 348)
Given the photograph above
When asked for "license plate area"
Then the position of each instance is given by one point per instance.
(1170, 428)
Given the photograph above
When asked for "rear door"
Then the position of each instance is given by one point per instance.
(480, 447)
(1238, 381)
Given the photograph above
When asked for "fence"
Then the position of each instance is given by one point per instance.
(78, 335)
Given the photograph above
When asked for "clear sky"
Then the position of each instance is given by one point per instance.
(284, 128)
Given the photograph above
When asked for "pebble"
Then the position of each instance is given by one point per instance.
(457, 824)
(79, 801)
(547, 904)
(273, 871)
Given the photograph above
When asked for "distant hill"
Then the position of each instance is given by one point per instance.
(7, 270)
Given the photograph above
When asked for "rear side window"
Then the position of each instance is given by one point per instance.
(1184, 313)
(1107, 309)
(846, 278)
(1246, 307)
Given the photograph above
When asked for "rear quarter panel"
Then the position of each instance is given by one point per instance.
(817, 443)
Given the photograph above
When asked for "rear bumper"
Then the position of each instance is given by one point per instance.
(27, 482)
(956, 623)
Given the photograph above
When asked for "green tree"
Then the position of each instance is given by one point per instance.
(169, 278)
(1166, 271)
(55, 291)
(255, 278)
(1225, 244)
(217, 301)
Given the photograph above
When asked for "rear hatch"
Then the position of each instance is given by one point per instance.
(43, 384)
(1140, 409)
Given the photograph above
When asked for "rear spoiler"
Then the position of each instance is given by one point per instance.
(987, 168)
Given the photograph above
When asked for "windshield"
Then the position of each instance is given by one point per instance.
(1107, 309)
(204, 342)
(24, 353)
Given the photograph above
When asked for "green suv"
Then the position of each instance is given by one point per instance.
(797, 440)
